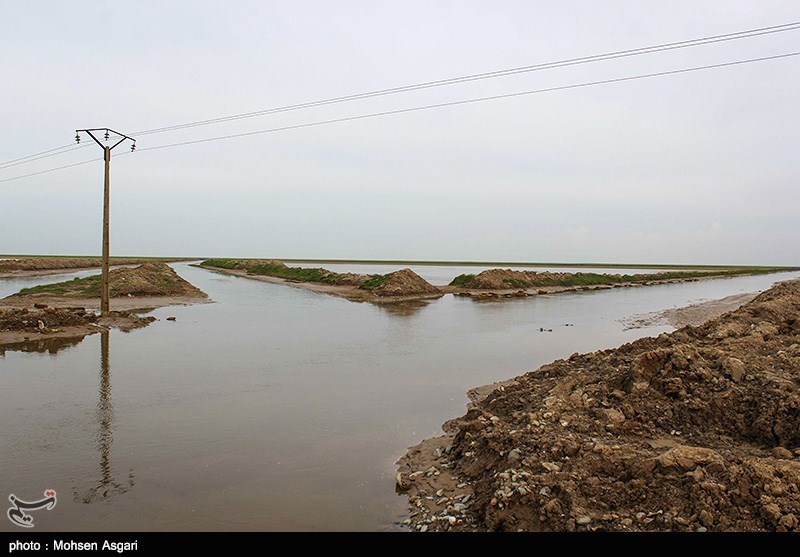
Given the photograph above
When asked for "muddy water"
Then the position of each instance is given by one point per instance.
(276, 408)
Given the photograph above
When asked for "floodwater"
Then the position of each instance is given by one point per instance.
(277, 408)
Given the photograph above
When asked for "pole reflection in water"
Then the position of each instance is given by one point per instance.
(106, 486)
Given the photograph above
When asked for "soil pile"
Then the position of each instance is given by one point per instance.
(498, 279)
(405, 282)
(56, 263)
(153, 279)
(694, 430)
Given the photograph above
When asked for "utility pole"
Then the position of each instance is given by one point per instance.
(107, 133)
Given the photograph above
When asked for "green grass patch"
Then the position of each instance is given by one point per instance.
(463, 280)
(294, 273)
(374, 281)
(221, 263)
(88, 287)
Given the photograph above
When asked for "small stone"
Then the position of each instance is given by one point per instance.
(702, 529)
(440, 493)
(788, 521)
(735, 368)
(583, 520)
(781, 453)
(171, 318)
(706, 518)
(451, 520)
(424, 528)
(514, 455)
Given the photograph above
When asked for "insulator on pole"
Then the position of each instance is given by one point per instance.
(106, 135)
(133, 147)
(77, 138)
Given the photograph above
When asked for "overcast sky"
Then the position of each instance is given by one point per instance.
(693, 168)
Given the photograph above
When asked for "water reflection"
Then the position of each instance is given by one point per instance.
(404, 308)
(50, 345)
(106, 486)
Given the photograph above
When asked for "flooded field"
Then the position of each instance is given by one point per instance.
(278, 408)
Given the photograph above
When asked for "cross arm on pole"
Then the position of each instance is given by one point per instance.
(89, 132)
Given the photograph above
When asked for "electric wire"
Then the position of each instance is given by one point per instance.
(438, 83)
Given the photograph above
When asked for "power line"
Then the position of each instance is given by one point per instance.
(42, 155)
(433, 106)
(440, 83)
(49, 170)
(489, 75)
(469, 101)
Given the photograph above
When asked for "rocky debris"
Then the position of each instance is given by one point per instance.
(405, 282)
(41, 320)
(696, 430)
(171, 318)
(489, 295)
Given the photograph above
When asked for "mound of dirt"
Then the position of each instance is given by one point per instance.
(694, 430)
(405, 282)
(152, 279)
(498, 279)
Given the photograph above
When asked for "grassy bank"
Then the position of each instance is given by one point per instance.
(302, 274)
(88, 287)
(596, 279)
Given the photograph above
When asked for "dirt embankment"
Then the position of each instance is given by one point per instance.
(152, 280)
(28, 266)
(694, 430)
(59, 310)
(509, 283)
(400, 286)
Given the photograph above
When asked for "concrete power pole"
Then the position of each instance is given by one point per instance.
(107, 133)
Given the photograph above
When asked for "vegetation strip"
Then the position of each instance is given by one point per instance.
(532, 279)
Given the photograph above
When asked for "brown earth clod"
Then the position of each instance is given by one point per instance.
(694, 430)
